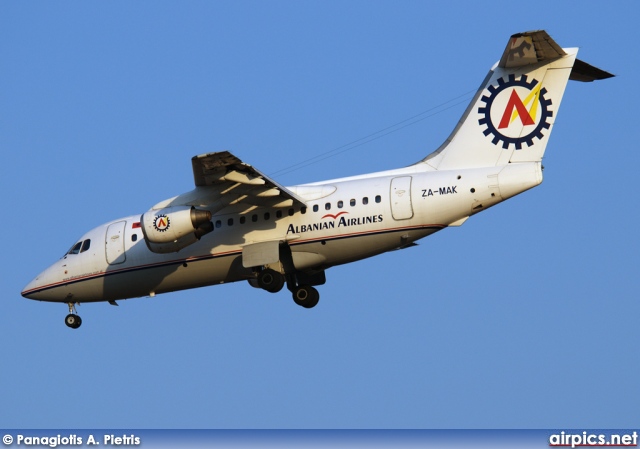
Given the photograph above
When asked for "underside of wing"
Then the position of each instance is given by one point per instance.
(223, 181)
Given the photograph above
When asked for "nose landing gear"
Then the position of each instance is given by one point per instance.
(72, 320)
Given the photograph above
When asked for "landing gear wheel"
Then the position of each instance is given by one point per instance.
(73, 321)
(306, 296)
(270, 280)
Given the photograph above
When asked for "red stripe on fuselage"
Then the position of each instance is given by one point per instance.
(221, 254)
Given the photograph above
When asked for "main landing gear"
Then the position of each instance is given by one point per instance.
(72, 320)
(305, 296)
(272, 281)
(301, 285)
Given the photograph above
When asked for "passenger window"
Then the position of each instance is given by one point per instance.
(291, 212)
(254, 218)
(218, 223)
(327, 206)
(243, 219)
(378, 198)
(365, 200)
(278, 214)
(340, 204)
(85, 245)
(315, 208)
(267, 216)
(303, 210)
(134, 237)
(230, 222)
(352, 202)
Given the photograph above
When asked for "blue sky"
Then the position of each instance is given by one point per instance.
(525, 317)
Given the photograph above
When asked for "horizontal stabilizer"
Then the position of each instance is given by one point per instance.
(531, 47)
(586, 72)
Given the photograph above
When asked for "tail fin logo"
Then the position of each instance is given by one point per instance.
(520, 110)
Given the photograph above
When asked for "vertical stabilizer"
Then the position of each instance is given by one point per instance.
(512, 115)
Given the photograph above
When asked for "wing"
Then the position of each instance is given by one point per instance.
(223, 181)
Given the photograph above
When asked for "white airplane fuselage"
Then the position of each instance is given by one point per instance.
(401, 207)
(239, 224)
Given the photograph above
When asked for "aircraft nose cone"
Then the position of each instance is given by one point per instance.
(46, 286)
(29, 289)
(33, 288)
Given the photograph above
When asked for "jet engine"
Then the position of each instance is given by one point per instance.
(170, 229)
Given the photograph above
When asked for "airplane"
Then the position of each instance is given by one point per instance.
(238, 224)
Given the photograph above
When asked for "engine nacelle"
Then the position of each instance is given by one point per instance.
(173, 228)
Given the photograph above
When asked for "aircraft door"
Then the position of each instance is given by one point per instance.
(401, 208)
(114, 243)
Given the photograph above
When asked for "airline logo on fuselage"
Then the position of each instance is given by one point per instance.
(339, 220)
(161, 223)
(515, 112)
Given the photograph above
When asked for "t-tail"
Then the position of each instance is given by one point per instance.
(511, 116)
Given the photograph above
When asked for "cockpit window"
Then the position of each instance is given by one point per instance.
(75, 249)
(79, 247)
